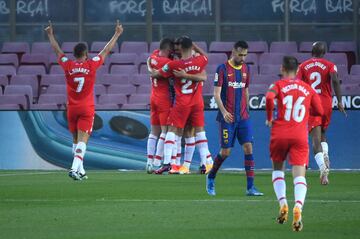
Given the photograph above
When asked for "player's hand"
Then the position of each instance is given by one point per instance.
(341, 109)
(229, 118)
(49, 29)
(268, 123)
(180, 73)
(119, 28)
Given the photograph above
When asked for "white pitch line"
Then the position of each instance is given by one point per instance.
(24, 174)
(175, 200)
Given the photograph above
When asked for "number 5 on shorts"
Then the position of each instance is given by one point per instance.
(225, 134)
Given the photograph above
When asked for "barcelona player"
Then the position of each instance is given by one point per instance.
(231, 93)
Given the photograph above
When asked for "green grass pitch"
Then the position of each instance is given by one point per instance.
(135, 205)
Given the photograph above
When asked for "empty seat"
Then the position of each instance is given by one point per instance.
(337, 58)
(221, 47)
(135, 107)
(13, 102)
(32, 70)
(122, 89)
(118, 99)
(35, 59)
(154, 46)
(355, 70)
(55, 79)
(15, 47)
(102, 70)
(57, 70)
(211, 68)
(306, 46)
(217, 58)
(56, 89)
(258, 89)
(141, 79)
(264, 79)
(113, 79)
(3, 81)
(351, 89)
(142, 59)
(343, 46)
(30, 80)
(283, 47)
(143, 89)
(140, 99)
(9, 59)
(68, 47)
(99, 90)
(123, 59)
(208, 85)
(134, 47)
(124, 69)
(254, 70)
(271, 58)
(144, 70)
(7, 70)
(269, 69)
(352, 79)
(52, 99)
(98, 46)
(252, 59)
(21, 90)
(342, 71)
(301, 57)
(41, 48)
(202, 45)
(107, 107)
(258, 46)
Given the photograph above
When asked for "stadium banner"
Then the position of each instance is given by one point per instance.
(257, 102)
(40, 140)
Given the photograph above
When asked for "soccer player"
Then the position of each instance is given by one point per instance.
(160, 104)
(189, 103)
(80, 79)
(289, 135)
(320, 73)
(231, 94)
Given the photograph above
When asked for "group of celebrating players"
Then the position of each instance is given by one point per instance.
(302, 99)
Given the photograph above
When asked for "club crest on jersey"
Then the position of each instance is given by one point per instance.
(64, 59)
(236, 85)
(165, 68)
(96, 58)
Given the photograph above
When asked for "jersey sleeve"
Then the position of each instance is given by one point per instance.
(63, 61)
(299, 73)
(333, 68)
(96, 62)
(219, 76)
(166, 70)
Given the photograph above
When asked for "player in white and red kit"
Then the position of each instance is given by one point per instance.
(160, 104)
(289, 135)
(320, 73)
(80, 79)
(188, 104)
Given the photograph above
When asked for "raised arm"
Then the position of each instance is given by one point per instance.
(50, 32)
(199, 50)
(336, 84)
(110, 45)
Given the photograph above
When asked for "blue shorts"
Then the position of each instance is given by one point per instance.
(241, 130)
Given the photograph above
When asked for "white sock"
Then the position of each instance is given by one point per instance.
(81, 168)
(319, 158)
(79, 156)
(189, 151)
(202, 146)
(325, 148)
(174, 152)
(151, 143)
(73, 149)
(278, 179)
(178, 150)
(300, 188)
(168, 146)
(159, 150)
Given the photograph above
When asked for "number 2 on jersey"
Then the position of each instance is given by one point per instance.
(80, 81)
(185, 88)
(298, 110)
(316, 77)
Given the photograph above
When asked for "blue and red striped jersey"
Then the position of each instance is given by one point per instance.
(233, 81)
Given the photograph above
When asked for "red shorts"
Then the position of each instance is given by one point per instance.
(159, 112)
(296, 149)
(187, 115)
(322, 121)
(80, 118)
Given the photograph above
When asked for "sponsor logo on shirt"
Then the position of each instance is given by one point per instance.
(236, 85)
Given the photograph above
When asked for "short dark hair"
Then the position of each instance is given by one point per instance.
(185, 42)
(79, 50)
(290, 64)
(241, 44)
(318, 49)
(166, 43)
